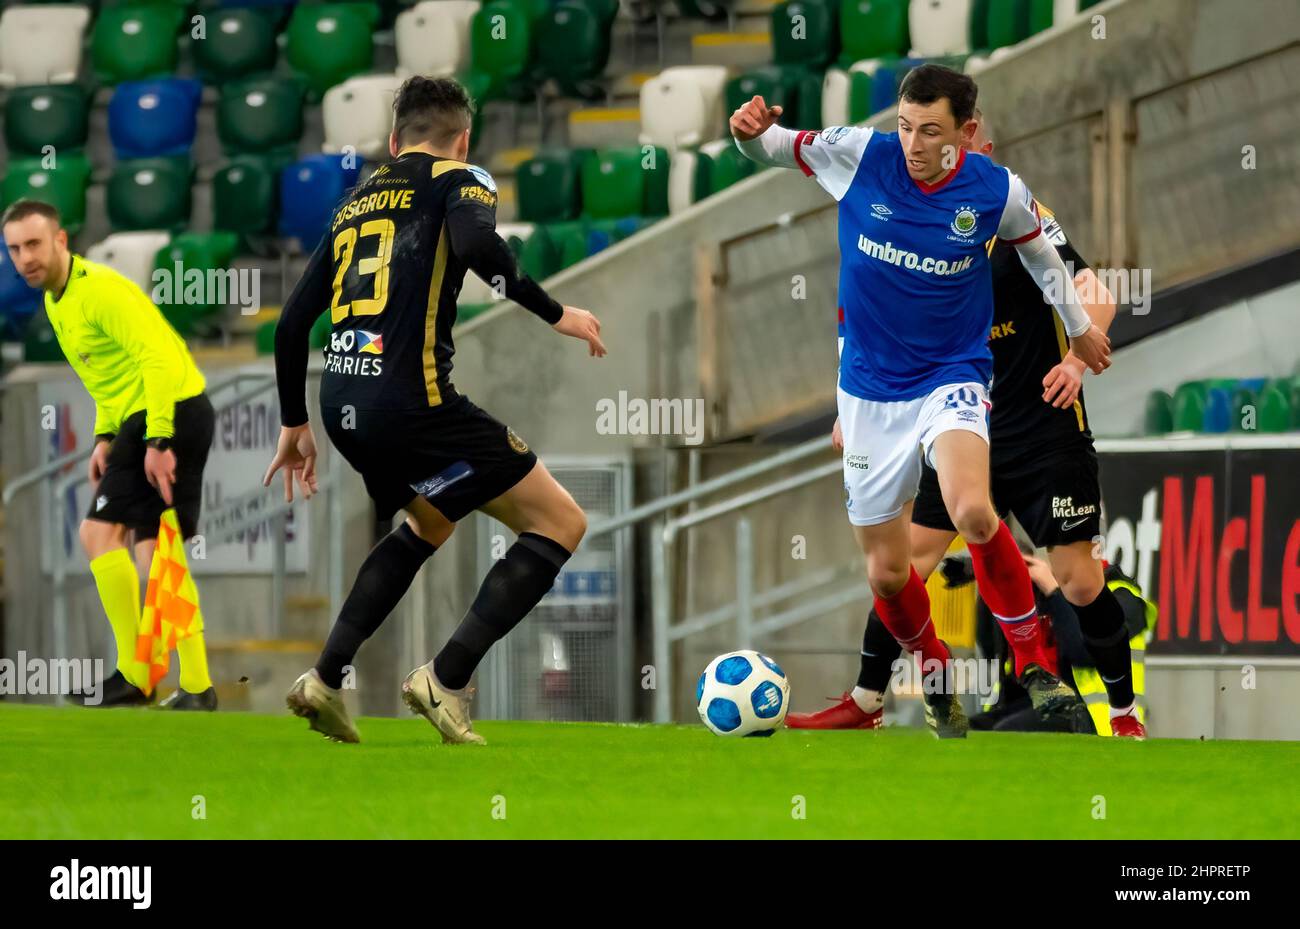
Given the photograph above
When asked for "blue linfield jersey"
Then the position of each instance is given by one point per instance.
(915, 294)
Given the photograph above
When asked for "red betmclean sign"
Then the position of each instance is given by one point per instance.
(1213, 538)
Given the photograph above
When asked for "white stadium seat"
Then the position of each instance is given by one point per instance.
(835, 97)
(938, 27)
(682, 106)
(359, 113)
(681, 180)
(433, 37)
(41, 44)
(131, 254)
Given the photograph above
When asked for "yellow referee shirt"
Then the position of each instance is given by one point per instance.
(123, 349)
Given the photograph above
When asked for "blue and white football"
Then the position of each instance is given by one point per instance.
(742, 693)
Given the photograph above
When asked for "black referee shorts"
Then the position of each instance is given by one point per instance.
(124, 494)
(457, 456)
(1057, 500)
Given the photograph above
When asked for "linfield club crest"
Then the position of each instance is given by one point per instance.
(965, 222)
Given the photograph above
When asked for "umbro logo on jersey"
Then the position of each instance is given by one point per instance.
(881, 212)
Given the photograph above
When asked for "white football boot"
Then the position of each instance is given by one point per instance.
(322, 707)
(448, 711)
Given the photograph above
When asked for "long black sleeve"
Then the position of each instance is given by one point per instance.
(471, 225)
(309, 299)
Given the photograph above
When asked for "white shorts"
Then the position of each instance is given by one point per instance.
(884, 443)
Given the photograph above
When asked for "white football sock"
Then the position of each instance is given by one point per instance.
(869, 701)
(1130, 710)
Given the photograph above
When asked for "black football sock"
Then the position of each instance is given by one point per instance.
(512, 587)
(1106, 637)
(383, 579)
(879, 652)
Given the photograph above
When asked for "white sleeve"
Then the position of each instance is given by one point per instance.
(1020, 221)
(831, 155)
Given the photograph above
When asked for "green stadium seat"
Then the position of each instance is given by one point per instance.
(809, 97)
(1041, 15)
(718, 165)
(705, 9)
(264, 338)
(778, 86)
(149, 193)
(570, 241)
(548, 185)
(1243, 399)
(1189, 406)
(238, 42)
(1159, 416)
(260, 115)
(979, 26)
(204, 252)
(573, 41)
(804, 33)
(328, 43)
(1008, 22)
(53, 115)
(501, 45)
(129, 43)
(63, 185)
(873, 29)
(1277, 411)
(40, 344)
(244, 195)
(615, 185)
(319, 336)
(538, 255)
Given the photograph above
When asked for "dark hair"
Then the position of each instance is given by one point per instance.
(21, 209)
(428, 109)
(930, 83)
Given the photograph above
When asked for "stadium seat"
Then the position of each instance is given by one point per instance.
(18, 300)
(149, 193)
(683, 106)
(41, 45)
(238, 42)
(149, 119)
(131, 43)
(1275, 412)
(1159, 416)
(1189, 406)
(1042, 15)
(602, 233)
(533, 248)
(40, 344)
(621, 182)
(131, 253)
(548, 185)
(1243, 399)
(244, 196)
(1218, 411)
(330, 42)
(804, 33)
(55, 115)
(433, 37)
(262, 115)
(358, 115)
(1008, 22)
(573, 42)
(873, 29)
(201, 252)
(777, 85)
(309, 190)
(569, 240)
(501, 45)
(63, 185)
(264, 338)
(705, 9)
(319, 336)
(939, 27)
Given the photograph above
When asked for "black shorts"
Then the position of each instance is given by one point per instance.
(124, 494)
(1057, 499)
(456, 456)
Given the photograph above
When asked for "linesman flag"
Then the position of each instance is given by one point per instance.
(171, 605)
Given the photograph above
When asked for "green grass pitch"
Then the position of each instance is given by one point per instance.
(78, 773)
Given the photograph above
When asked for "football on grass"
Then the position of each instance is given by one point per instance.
(742, 693)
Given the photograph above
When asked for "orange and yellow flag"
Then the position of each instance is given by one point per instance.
(171, 605)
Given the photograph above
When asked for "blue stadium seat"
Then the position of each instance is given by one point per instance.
(1218, 411)
(151, 119)
(884, 84)
(18, 302)
(309, 190)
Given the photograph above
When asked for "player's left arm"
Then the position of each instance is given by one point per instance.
(1063, 383)
(1021, 227)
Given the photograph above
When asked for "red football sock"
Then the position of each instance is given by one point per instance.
(1004, 585)
(907, 617)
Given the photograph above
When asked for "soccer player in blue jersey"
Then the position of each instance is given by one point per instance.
(916, 211)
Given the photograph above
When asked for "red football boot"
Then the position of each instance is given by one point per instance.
(845, 714)
(1128, 726)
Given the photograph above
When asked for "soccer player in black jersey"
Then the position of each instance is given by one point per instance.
(1044, 470)
(388, 271)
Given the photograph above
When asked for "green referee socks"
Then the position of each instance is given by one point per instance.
(119, 591)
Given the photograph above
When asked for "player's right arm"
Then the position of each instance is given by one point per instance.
(296, 450)
(831, 156)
